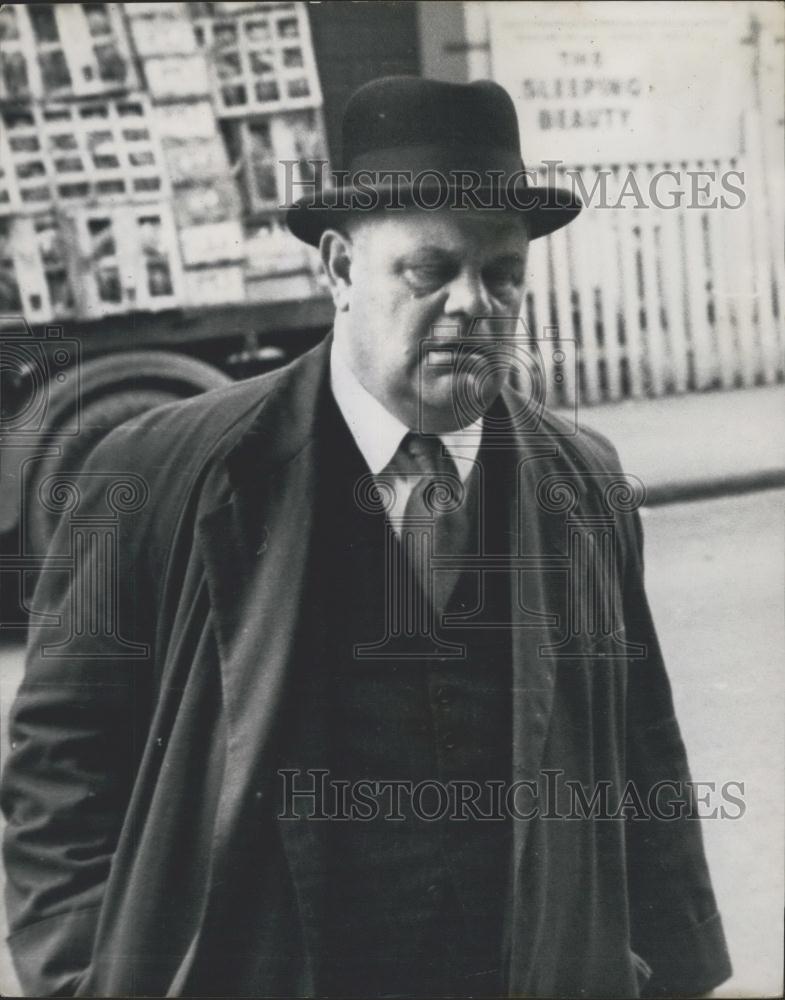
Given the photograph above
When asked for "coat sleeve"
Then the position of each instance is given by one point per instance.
(675, 924)
(76, 727)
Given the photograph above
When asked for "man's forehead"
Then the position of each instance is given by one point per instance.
(447, 226)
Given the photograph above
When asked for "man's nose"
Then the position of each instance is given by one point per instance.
(468, 297)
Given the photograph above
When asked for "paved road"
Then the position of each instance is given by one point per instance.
(706, 438)
(715, 579)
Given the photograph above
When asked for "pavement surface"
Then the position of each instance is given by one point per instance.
(715, 580)
(700, 444)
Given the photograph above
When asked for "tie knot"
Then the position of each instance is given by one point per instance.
(423, 455)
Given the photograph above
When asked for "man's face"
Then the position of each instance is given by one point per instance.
(421, 274)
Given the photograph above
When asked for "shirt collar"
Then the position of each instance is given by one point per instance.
(378, 433)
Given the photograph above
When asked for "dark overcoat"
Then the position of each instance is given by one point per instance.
(143, 850)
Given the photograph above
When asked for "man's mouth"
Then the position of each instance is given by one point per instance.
(459, 354)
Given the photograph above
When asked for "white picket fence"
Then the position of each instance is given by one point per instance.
(664, 300)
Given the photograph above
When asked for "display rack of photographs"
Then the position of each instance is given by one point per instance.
(53, 51)
(129, 259)
(65, 154)
(86, 227)
(265, 147)
(260, 54)
(35, 262)
(90, 262)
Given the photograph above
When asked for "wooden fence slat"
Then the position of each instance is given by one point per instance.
(608, 281)
(723, 321)
(673, 292)
(760, 288)
(628, 286)
(582, 247)
(654, 339)
(559, 258)
(772, 64)
(539, 288)
(741, 303)
(537, 281)
(746, 298)
(695, 276)
(759, 210)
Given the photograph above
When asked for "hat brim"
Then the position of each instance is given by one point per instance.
(545, 209)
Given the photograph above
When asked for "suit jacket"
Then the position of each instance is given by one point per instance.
(142, 849)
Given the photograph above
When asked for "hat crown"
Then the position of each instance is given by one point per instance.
(399, 112)
(408, 141)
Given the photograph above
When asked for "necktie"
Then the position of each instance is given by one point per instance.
(435, 522)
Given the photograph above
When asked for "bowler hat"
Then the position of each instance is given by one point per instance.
(411, 141)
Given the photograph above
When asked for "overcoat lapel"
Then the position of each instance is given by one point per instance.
(537, 608)
(537, 612)
(255, 548)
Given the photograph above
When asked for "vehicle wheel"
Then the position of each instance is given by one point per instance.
(97, 420)
(111, 391)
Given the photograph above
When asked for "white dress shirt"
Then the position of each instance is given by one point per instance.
(378, 432)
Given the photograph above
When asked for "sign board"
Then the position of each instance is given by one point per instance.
(610, 83)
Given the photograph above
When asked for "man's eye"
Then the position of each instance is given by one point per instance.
(504, 283)
(425, 276)
(504, 278)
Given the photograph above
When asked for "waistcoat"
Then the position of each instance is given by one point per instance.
(416, 881)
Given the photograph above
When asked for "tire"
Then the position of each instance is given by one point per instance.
(163, 371)
(112, 391)
(97, 421)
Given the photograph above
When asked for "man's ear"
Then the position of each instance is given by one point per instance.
(335, 249)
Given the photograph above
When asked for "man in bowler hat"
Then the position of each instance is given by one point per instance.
(382, 710)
